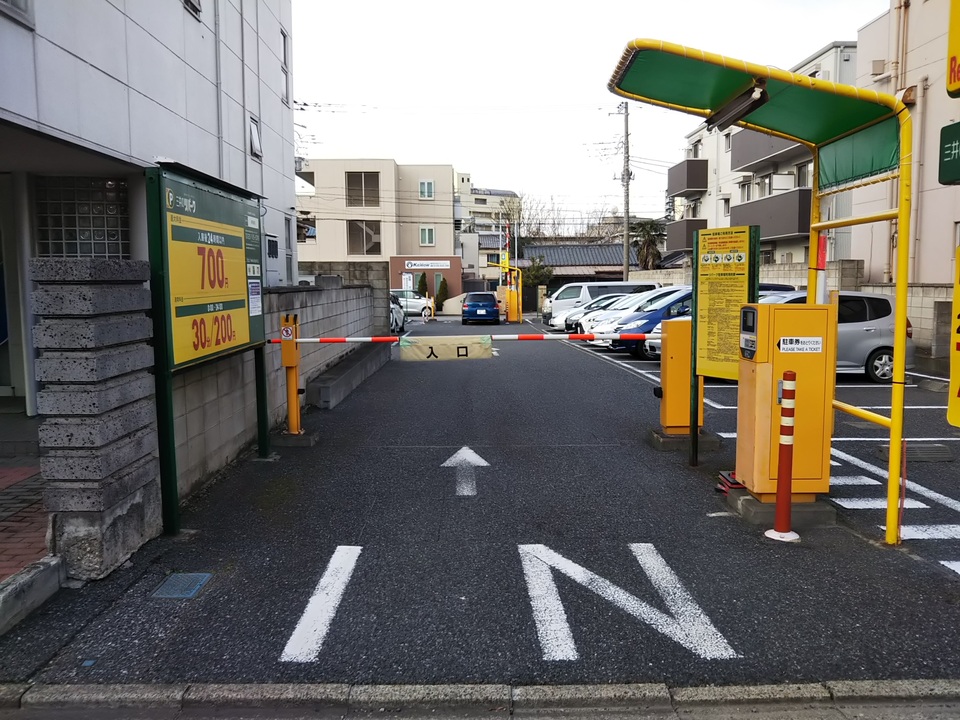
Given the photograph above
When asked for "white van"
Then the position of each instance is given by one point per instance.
(573, 295)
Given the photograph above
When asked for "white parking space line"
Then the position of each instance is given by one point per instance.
(952, 564)
(307, 638)
(730, 435)
(929, 532)
(834, 462)
(852, 479)
(874, 503)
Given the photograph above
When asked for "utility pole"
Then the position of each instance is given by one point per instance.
(625, 179)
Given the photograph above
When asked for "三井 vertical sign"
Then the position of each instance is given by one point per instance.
(725, 277)
(953, 401)
(213, 270)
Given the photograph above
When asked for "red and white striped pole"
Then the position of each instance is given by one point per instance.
(781, 520)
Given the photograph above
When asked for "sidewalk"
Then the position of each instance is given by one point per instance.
(23, 521)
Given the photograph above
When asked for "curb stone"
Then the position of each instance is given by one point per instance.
(10, 695)
(376, 697)
(266, 695)
(24, 592)
(104, 696)
(725, 694)
(646, 695)
(847, 690)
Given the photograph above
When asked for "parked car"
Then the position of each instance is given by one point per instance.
(398, 319)
(574, 295)
(412, 302)
(864, 333)
(671, 306)
(627, 305)
(567, 319)
(480, 307)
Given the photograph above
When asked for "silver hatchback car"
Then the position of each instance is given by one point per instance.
(864, 332)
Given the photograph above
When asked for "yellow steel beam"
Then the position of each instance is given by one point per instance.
(861, 220)
(862, 414)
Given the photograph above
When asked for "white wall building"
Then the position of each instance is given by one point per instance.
(367, 210)
(94, 92)
(892, 60)
(484, 215)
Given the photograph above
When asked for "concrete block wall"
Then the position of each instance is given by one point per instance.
(373, 274)
(841, 274)
(98, 434)
(927, 306)
(215, 405)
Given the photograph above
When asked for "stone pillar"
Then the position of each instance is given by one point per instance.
(98, 436)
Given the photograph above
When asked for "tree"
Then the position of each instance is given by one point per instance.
(645, 237)
(422, 284)
(443, 294)
(537, 273)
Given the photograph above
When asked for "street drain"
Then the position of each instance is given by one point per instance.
(922, 452)
(181, 586)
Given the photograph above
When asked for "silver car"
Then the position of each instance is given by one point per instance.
(864, 332)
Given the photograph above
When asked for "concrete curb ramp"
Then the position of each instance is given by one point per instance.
(336, 699)
(24, 592)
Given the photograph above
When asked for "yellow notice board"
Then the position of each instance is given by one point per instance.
(953, 400)
(466, 347)
(953, 50)
(725, 261)
(208, 287)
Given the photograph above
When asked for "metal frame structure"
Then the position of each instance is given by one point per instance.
(717, 85)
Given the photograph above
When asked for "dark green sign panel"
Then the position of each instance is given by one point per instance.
(950, 154)
(205, 257)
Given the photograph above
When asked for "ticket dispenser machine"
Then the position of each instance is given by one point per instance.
(775, 338)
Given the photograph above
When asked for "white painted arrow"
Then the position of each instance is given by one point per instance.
(466, 461)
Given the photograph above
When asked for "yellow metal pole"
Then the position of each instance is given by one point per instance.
(814, 233)
(293, 400)
(859, 220)
(862, 414)
(900, 327)
(520, 294)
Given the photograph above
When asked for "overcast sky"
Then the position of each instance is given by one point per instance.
(514, 92)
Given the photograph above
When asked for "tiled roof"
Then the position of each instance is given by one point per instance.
(591, 254)
(490, 242)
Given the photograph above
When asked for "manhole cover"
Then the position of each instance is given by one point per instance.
(179, 586)
(927, 452)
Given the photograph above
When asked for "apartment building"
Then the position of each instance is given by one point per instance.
(94, 93)
(483, 215)
(366, 211)
(740, 177)
(905, 51)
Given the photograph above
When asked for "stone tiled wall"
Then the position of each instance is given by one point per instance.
(98, 434)
(215, 405)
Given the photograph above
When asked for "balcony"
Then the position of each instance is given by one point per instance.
(781, 215)
(752, 151)
(687, 178)
(680, 233)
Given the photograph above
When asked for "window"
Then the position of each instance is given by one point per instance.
(493, 258)
(745, 192)
(426, 189)
(285, 67)
(273, 247)
(479, 201)
(363, 189)
(767, 257)
(82, 217)
(726, 142)
(696, 149)
(288, 232)
(805, 174)
(193, 6)
(437, 279)
(427, 236)
(725, 203)
(19, 10)
(692, 209)
(570, 293)
(363, 237)
(851, 310)
(763, 186)
(256, 147)
(879, 307)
